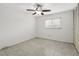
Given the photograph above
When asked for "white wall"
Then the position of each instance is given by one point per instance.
(64, 34)
(76, 27)
(15, 25)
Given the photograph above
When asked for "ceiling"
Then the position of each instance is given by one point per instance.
(54, 7)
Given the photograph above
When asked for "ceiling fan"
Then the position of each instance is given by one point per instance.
(38, 10)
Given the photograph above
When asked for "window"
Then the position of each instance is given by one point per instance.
(53, 23)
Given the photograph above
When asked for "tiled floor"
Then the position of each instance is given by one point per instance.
(40, 47)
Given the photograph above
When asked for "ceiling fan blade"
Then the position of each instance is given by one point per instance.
(46, 10)
(30, 9)
(34, 13)
(42, 13)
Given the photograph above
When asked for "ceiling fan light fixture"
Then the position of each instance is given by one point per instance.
(38, 12)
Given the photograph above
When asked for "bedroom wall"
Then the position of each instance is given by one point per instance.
(64, 34)
(15, 25)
